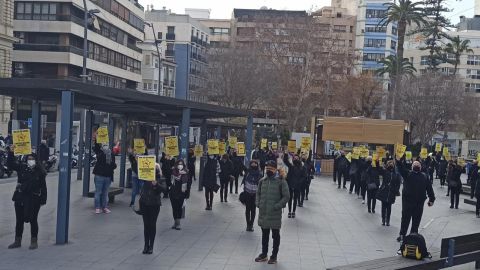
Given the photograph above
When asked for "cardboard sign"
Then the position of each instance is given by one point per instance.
(102, 135)
(232, 142)
(222, 148)
(292, 146)
(22, 142)
(408, 155)
(448, 157)
(374, 159)
(381, 151)
(461, 161)
(445, 151)
(171, 146)
(349, 157)
(274, 146)
(213, 147)
(424, 153)
(338, 146)
(438, 147)
(364, 152)
(241, 149)
(198, 151)
(478, 157)
(400, 150)
(146, 168)
(264, 143)
(306, 143)
(139, 146)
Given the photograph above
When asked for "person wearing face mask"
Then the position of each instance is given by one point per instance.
(416, 188)
(30, 193)
(372, 182)
(226, 175)
(272, 195)
(167, 165)
(103, 172)
(455, 185)
(209, 180)
(388, 191)
(295, 177)
(191, 165)
(179, 191)
(442, 171)
(238, 168)
(250, 184)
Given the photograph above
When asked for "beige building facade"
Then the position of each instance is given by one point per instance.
(6, 41)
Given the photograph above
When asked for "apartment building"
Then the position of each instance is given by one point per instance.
(6, 41)
(184, 41)
(220, 31)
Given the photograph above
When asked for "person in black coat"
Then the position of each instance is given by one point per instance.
(30, 193)
(295, 177)
(179, 191)
(103, 172)
(191, 165)
(455, 185)
(342, 170)
(473, 178)
(209, 180)
(335, 167)
(372, 182)
(477, 196)
(167, 166)
(150, 202)
(388, 191)
(442, 171)
(354, 172)
(238, 169)
(310, 170)
(362, 168)
(226, 176)
(43, 152)
(416, 188)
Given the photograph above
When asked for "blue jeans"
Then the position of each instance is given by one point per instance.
(136, 187)
(102, 184)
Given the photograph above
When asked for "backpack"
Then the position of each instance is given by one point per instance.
(414, 247)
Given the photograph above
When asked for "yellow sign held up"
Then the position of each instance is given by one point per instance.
(22, 142)
(338, 146)
(232, 142)
(349, 157)
(438, 147)
(222, 148)
(292, 146)
(356, 153)
(408, 155)
(478, 157)
(445, 151)
(263, 143)
(139, 146)
(171, 146)
(146, 168)
(241, 149)
(400, 150)
(424, 153)
(374, 159)
(364, 152)
(274, 145)
(213, 147)
(381, 151)
(448, 157)
(306, 143)
(461, 161)
(198, 151)
(102, 135)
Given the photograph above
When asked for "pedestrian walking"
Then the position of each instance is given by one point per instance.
(29, 195)
(477, 196)
(295, 177)
(389, 190)
(450, 167)
(167, 165)
(150, 202)
(362, 176)
(209, 181)
(416, 188)
(473, 176)
(191, 165)
(250, 186)
(179, 191)
(336, 155)
(442, 171)
(310, 170)
(238, 169)
(455, 185)
(272, 195)
(342, 170)
(226, 176)
(354, 174)
(103, 172)
(137, 184)
(372, 182)
(43, 152)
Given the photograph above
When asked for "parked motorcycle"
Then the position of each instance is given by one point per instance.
(50, 163)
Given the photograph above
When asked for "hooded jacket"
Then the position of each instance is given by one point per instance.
(297, 174)
(272, 195)
(102, 167)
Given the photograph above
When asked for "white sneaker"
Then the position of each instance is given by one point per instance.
(106, 210)
(363, 202)
(98, 211)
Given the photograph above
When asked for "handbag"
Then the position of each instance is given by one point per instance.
(136, 206)
(216, 187)
(452, 184)
(183, 208)
(243, 197)
(371, 186)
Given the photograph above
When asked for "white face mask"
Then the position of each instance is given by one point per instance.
(31, 163)
(180, 167)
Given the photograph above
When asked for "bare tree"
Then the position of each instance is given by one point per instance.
(469, 122)
(430, 102)
(359, 96)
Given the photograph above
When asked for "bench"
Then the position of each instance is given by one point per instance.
(466, 189)
(454, 251)
(469, 201)
(112, 192)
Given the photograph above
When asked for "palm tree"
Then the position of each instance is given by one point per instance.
(393, 67)
(457, 47)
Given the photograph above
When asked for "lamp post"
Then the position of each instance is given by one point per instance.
(155, 41)
(84, 80)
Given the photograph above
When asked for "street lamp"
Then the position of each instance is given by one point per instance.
(155, 41)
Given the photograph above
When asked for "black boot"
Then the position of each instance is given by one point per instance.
(33, 243)
(16, 244)
(383, 221)
(145, 249)
(388, 222)
(150, 248)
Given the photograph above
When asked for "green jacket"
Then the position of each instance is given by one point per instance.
(272, 196)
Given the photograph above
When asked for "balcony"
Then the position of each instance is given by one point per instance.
(172, 83)
(170, 36)
(194, 39)
(48, 48)
(170, 53)
(165, 82)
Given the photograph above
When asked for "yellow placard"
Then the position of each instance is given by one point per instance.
(241, 149)
(438, 147)
(445, 151)
(146, 168)
(171, 146)
(400, 150)
(222, 148)
(139, 146)
(349, 157)
(198, 151)
(374, 159)
(364, 152)
(102, 135)
(274, 145)
(232, 141)
(22, 142)
(381, 151)
(356, 150)
(338, 146)
(292, 146)
(478, 157)
(423, 153)
(263, 143)
(306, 143)
(213, 147)
(461, 161)
(448, 157)
(408, 155)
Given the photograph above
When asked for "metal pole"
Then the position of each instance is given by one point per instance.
(249, 139)
(36, 122)
(64, 176)
(184, 133)
(88, 148)
(157, 142)
(451, 253)
(123, 157)
(203, 158)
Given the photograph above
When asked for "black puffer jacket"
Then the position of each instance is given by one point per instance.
(226, 170)
(454, 177)
(416, 187)
(390, 187)
(297, 174)
(371, 176)
(209, 179)
(150, 194)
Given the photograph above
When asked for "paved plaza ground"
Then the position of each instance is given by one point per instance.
(332, 229)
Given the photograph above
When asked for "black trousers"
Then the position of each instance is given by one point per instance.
(20, 220)
(362, 189)
(478, 206)
(149, 215)
(473, 185)
(354, 183)
(371, 199)
(386, 211)
(307, 187)
(339, 178)
(250, 209)
(335, 172)
(177, 204)
(236, 184)
(442, 180)
(305, 190)
(294, 197)
(276, 241)
(454, 196)
(209, 196)
(223, 190)
(411, 212)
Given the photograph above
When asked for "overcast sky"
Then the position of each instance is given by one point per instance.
(222, 9)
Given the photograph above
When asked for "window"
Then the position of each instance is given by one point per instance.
(218, 31)
(424, 60)
(37, 11)
(375, 13)
(472, 87)
(159, 35)
(41, 11)
(350, 43)
(376, 43)
(473, 73)
(394, 30)
(339, 28)
(339, 43)
(450, 71)
(373, 57)
(351, 29)
(375, 29)
(473, 60)
(324, 27)
(171, 29)
(147, 60)
(393, 45)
